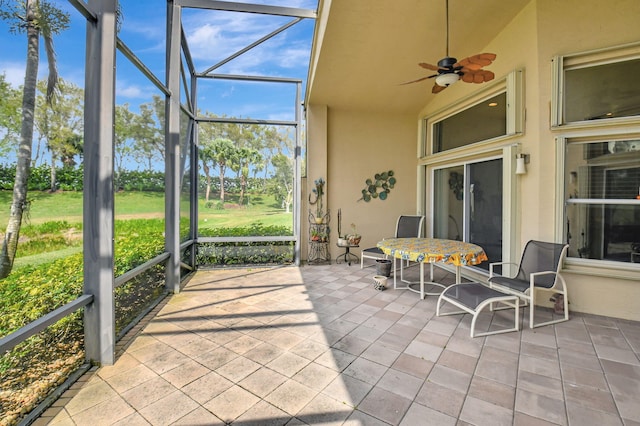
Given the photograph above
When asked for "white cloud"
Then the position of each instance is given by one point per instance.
(214, 35)
(13, 72)
(227, 93)
(125, 90)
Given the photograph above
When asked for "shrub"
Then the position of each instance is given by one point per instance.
(35, 367)
(246, 253)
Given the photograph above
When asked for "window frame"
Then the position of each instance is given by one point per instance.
(511, 84)
(504, 147)
(592, 58)
(591, 266)
(612, 129)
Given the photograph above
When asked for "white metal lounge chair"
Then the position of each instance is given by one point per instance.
(539, 269)
(472, 298)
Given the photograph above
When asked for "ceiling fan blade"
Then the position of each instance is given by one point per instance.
(478, 61)
(489, 56)
(437, 88)
(480, 76)
(488, 75)
(467, 77)
(429, 66)
(418, 80)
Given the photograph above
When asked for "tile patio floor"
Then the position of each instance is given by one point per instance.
(318, 345)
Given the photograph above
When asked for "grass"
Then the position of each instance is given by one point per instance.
(44, 207)
(44, 243)
(262, 209)
(67, 206)
(41, 258)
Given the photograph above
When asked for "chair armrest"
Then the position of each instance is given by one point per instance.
(498, 263)
(533, 275)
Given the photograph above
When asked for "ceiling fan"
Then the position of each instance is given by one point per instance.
(450, 70)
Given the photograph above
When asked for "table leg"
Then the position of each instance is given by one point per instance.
(421, 280)
(457, 274)
(394, 274)
(347, 256)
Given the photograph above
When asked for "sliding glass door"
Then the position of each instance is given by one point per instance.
(468, 205)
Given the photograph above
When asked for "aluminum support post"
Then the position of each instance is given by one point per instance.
(172, 149)
(98, 195)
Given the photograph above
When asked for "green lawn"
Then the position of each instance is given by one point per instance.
(67, 206)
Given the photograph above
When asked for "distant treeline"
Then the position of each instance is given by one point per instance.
(70, 179)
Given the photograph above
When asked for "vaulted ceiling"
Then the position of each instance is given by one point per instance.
(364, 49)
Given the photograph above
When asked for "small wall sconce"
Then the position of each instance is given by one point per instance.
(521, 161)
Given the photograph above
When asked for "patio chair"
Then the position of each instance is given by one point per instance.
(538, 270)
(406, 227)
(472, 298)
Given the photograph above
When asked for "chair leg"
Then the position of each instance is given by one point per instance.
(565, 317)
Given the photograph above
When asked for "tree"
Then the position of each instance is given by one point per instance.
(124, 132)
(35, 18)
(223, 151)
(206, 154)
(60, 124)
(148, 132)
(282, 183)
(244, 157)
(9, 115)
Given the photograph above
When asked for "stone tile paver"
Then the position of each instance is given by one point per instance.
(318, 345)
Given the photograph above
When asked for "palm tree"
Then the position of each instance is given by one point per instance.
(244, 158)
(35, 18)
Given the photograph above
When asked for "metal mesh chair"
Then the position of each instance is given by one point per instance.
(406, 227)
(472, 298)
(539, 269)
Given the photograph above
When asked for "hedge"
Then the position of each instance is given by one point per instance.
(71, 179)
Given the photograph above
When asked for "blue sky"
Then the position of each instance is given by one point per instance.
(212, 36)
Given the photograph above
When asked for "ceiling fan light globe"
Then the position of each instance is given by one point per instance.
(447, 79)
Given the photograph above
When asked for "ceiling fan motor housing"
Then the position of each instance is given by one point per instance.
(447, 62)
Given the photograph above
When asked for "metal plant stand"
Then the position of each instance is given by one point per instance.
(319, 239)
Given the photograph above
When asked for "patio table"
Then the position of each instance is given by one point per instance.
(432, 250)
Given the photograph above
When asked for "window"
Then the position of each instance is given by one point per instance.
(597, 88)
(602, 92)
(596, 106)
(467, 163)
(482, 121)
(468, 205)
(602, 186)
(492, 115)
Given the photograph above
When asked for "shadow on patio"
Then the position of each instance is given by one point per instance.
(318, 345)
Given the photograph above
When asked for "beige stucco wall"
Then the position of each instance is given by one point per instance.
(544, 29)
(360, 144)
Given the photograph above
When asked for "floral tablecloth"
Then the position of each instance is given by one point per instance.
(428, 250)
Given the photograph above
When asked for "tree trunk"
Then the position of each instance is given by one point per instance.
(20, 203)
(222, 184)
(208, 176)
(243, 184)
(54, 183)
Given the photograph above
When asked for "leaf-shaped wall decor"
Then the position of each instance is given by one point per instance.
(379, 186)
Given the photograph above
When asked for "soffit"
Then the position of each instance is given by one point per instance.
(369, 47)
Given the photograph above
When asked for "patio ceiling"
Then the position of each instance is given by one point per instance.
(367, 48)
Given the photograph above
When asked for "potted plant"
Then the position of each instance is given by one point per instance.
(354, 237)
(318, 191)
